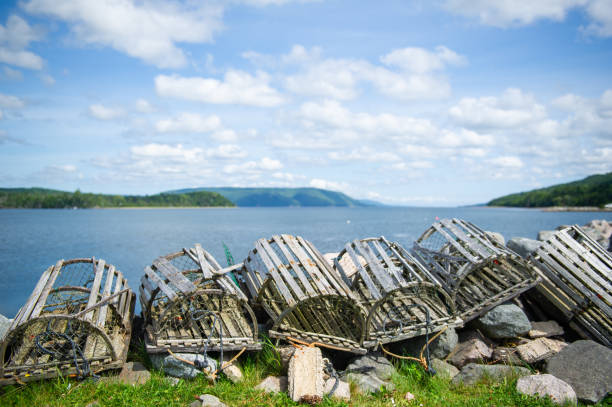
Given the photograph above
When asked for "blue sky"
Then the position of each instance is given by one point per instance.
(429, 103)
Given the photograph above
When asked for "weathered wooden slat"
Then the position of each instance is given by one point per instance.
(95, 289)
(174, 276)
(107, 291)
(280, 266)
(308, 264)
(480, 236)
(391, 267)
(282, 287)
(206, 268)
(328, 274)
(154, 278)
(294, 264)
(363, 273)
(456, 245)
(42, 298)
(382, 277)
(24, 312)
(474, 244)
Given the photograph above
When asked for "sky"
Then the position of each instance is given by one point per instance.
(407, 102)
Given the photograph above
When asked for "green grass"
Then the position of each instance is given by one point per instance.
(159, 392)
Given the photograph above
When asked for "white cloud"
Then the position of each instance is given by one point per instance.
(227, 151)
(364, 154)
(506, 162)
(505, 13)
(325, 184)
(15, 37)
(143, 106)
(47, 79)
(600, 12)
(168, 152)
(464, 138)
(10, 101)
(270, 164)
(12, 74)
(225, 135)
(514, 108)
(237, 87)
(189, 123)
(420, 60)
(253, 167)
(102, 112)
(149, 31)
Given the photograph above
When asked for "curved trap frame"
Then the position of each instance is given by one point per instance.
(402, 298)
(477, 272)
(306, 299)
(76, 322)
(577, 280)
(191, 304)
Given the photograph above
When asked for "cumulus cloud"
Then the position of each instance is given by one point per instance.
(514, 108)
(15, 37)
(47, 79)
(237, 87)
(102, 112)
(12, 74)
(253, 167)
(506, 162)
(600, 12)
(189, 123)
(169, 152)
(149, 31)
(143, 106)
(407, 74)
(10, 101)
(326, 184)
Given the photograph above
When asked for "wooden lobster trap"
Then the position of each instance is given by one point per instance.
(577, 280)
(402, 297)
(476, 271)
(306, 299)
(191, 304)
(76, 322)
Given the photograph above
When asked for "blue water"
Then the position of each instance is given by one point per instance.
(32, 240)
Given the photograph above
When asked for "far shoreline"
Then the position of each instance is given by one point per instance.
(557, 208)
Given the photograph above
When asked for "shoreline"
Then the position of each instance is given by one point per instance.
(557, 208)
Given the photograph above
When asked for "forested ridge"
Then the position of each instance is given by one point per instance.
(50, 199)
(595, 190)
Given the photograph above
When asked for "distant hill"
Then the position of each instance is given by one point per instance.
(595, 190)
(50, 198)
(282, 196)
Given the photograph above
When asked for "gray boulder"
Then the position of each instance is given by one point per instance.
(232, 372)
(506, 355)
(472, 351)
(587, 367)
(473, 373)
(600, 231)
(443, 369)
(523, 246)
(5, 324)
(496, 237)
(439, 348)
(177, 368)
(539, 349)
(273, 384)
(342, 390)
(370, 373)
(544, 235)
(504, 321)
(545, 329)
(546, 385)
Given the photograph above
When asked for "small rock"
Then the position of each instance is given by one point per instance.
(370, 373)
(409, 396)
(472, 373)
(599, 230)
(505, 355)
(439, 348)
(504, 321)
(177, 368)
(196, 403)
(523, 246)
(472, 351)
(273, 384)
(5, 324)
(134, 373)
(496, 237)
(547, 385)
(306, 374)
(540, 349)
(232, 372)
(342, 392)
(208, 400)
(584, 365)
(544, 235)
(285, 353)
(443, 369)
(545, 329)
(172, 380)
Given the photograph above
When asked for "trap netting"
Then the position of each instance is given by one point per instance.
(77, 321)
(191, 304)
(478, 272)
(402, 298)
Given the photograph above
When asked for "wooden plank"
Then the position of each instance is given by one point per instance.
(582, 273)
(308, 264)
(206, 268)
(283, 270)
(118, 285)
(294, 266)
(427, 257)
(474, 244)
(479, 235)
(382, 277)
(591, 261)
(24, 312)
(154, 278)
(391, 267)
(280, 284)
(106, 293)
(95, 289)
(211, 260)
(323, 266)
(363, 273)
(42, 298)
(174, 276)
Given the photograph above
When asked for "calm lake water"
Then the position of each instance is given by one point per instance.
(32, 240)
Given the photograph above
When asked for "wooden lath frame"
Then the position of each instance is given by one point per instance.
(106, 316)
(191, 305)
(389, 280)
(476, 271)
(306, 299)
(577, 280)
